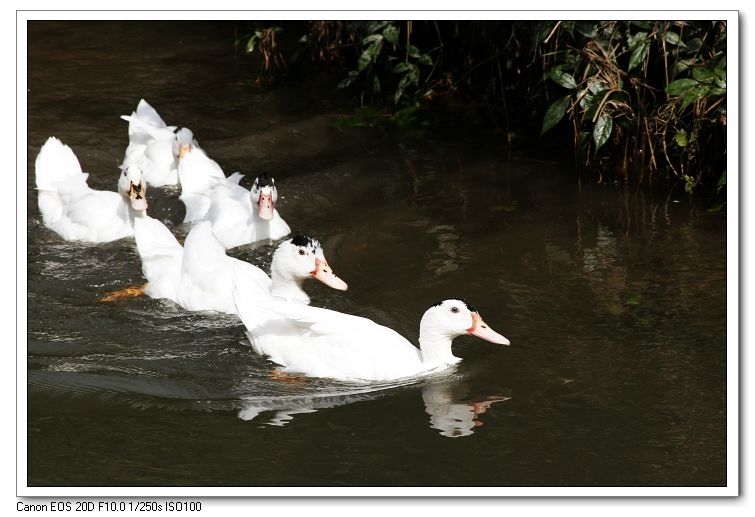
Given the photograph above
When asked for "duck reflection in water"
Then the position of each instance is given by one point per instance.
(451, 408)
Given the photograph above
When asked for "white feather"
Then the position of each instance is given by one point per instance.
(161, 257)
(151, 146)
(198, 175)
(72, 209)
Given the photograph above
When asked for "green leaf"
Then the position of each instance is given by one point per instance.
(693, 45)
(720, 74)
(369, 54)
(555, 113)
(602, 130)
(703, 75)
(400, 88)
(568, 26)
(693, 95)
(635, 39)
(372, 38)
(401, 68)
(680, 87)
(544, 28)
(345, 83)
(638, 55)
(376, 26)
(690, 183)
(642, 25)
(348, 81)
(681, 138)
(405, 117)
(718, 207)
(413, 73)
(585, 99)
(410, 77)
(595, 103)
(718, 91)
(374, 49)
(250, 44)
(624, 122)
(390, 34)
(682, 65)
(586, 29)
(721, 181)
(596, 85)
(364, 60)
(562, 78)
(424, 59)
(672, 38)
(412, 51)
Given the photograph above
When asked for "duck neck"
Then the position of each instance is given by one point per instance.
(436, 347)
(136, 213)
(285, 285)
(257, 218)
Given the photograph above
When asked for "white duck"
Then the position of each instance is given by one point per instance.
(75, 211)
(199, 175)
(324, 343)
(200, 275)
(241, 216)
(154, 146)
(238, 216)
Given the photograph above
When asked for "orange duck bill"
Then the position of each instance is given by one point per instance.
(481, 329)
(325, 275)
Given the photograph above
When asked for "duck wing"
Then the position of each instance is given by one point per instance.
(161, 257)
(325, 343)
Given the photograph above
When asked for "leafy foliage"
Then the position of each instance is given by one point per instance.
(384, 59)
(555, 113)
(615, 75)
(263, 41)
(639, 96)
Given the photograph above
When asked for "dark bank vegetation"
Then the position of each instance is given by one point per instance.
(639, 101)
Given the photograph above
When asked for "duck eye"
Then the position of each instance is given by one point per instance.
(454, 309)
(301, 251)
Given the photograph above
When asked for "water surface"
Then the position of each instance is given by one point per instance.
(614, 300)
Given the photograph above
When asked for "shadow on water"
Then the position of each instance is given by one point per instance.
(614, 300)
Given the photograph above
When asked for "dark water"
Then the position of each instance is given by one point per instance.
(614, 301)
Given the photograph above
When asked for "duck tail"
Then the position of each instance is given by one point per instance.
(149, 114)
(161, 256)
(236, 178)
(56, 164)
(57, 174)
(141, 131)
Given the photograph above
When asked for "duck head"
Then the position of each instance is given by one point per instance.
(264, 196)
(132, 186)
(297, 259)
(455, 317)
(184, 142)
